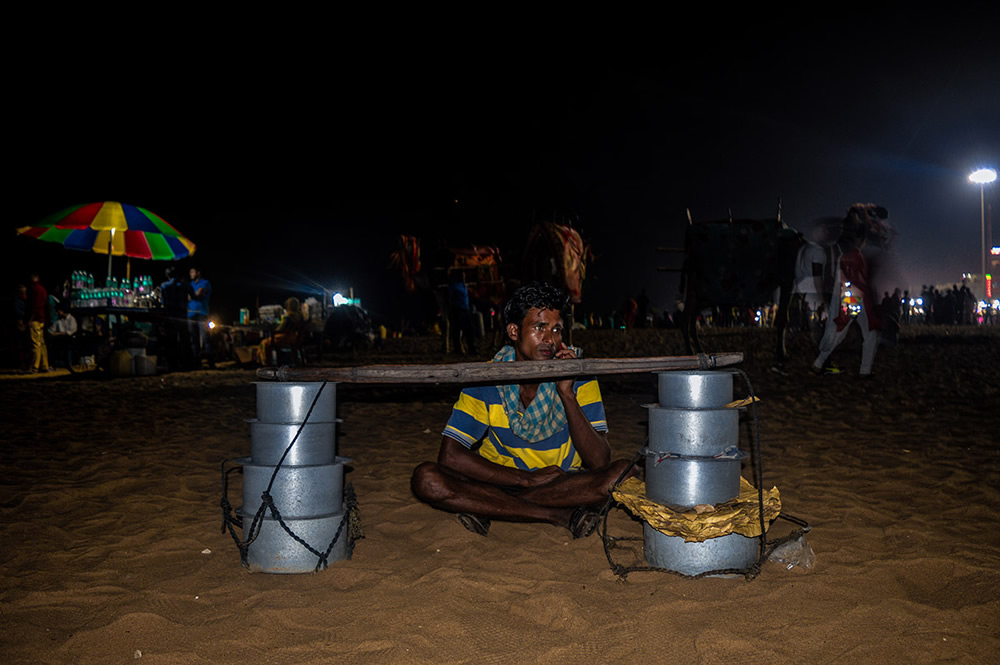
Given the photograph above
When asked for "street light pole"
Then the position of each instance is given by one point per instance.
(982, 235)
(982, 177)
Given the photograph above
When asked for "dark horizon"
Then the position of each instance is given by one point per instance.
(310, 174)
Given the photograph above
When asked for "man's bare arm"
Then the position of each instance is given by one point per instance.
(592, 445)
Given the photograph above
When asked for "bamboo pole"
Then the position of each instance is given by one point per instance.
(488, 372)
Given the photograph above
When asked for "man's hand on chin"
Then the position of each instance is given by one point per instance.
(565, 353)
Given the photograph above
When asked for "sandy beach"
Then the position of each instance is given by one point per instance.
(113, 550)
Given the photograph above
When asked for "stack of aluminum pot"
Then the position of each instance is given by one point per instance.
(308, 489)
(692, 458)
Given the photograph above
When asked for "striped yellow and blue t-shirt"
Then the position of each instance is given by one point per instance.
(479, 415)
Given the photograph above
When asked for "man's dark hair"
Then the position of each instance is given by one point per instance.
(536, 294)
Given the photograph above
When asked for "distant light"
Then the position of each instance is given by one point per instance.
(995, 251)
(983, 176)
(339, 300)
(211, 325)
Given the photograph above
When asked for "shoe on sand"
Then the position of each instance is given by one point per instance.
(583, 522)
(475, 523)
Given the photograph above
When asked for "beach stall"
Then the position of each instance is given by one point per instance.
(115, 229)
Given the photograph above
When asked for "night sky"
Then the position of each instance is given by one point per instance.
(299, 161)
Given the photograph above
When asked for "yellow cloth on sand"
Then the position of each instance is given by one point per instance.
(740, 515)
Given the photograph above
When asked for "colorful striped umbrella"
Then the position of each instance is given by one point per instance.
(112, 227)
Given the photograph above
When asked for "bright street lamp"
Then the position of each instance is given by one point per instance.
(982, 177)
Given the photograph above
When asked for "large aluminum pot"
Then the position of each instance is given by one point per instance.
(691, 481)
(298, 491)
(317, 443)
(671, 552)
(695, 389)
(289, 402)
(274, 551)
(703, 432)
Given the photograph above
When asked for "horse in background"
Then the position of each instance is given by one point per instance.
(743, 263)
(738, 264)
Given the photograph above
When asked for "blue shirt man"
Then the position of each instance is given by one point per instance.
(198, 308)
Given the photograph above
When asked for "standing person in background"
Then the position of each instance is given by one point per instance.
(643, 313)
(967, 314)
(174, 292)
(51, 305)
(631, 311)
(197, 315)
(36, 318)
(853, 299)
(22, 343)
(459, 317)
(60, 334)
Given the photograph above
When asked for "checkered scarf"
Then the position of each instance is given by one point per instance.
(543, 417)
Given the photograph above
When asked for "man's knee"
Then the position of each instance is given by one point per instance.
(427, 483)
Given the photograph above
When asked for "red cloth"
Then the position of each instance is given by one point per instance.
(854, 269)
(36, 307)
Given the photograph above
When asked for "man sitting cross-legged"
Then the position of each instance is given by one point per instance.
(526, 452)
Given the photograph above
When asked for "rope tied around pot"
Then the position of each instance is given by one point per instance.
(351, 519)
(765, 546)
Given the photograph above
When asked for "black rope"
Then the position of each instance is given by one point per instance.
(758, 463)
(351, 513)
(765, 548)
(229, 518)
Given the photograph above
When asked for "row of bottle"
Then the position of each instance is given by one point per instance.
(81, 279)
(115, 297)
